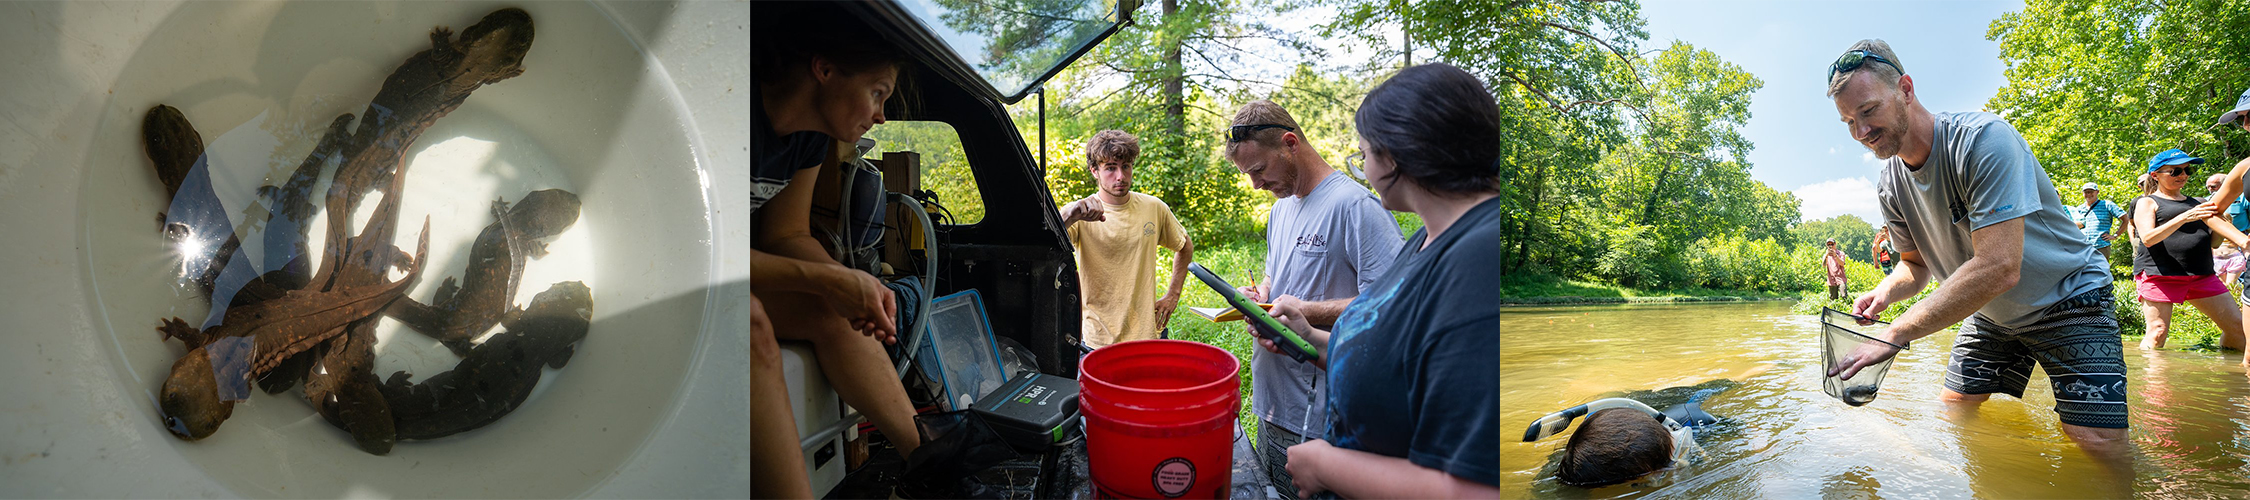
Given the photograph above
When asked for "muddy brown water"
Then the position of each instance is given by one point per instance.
(1759, 367)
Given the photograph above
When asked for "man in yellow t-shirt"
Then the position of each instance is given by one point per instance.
(1116, 232)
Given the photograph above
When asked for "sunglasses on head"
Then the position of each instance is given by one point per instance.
(1239, 133)
(1854, 59)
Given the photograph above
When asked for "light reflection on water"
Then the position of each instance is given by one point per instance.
(1787, 439)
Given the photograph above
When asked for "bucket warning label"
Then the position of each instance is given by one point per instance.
(1173, 477)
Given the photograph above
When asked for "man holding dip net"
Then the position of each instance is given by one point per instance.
(1967, 204)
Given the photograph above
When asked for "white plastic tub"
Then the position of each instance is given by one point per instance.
(639, 108)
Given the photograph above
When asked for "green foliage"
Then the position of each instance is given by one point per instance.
(1853, 236)
(1230, 260)
(1861, 278)
(944, 169)
(1630, 257)
(1741, 262)
(2099, 86)
(1168, 79)
(1208, 196)
(1623, 167)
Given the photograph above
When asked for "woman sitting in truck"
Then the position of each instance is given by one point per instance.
(809, 96)
(1413, 397)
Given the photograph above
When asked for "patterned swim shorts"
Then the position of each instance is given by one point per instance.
(2076, 341)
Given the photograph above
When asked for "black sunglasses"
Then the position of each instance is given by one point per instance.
(1239, 133)
(1854, 59)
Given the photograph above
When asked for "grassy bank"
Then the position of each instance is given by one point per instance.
(1237, 262)
(1549, 291)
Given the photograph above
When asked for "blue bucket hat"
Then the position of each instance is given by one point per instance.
(2241, 105)
(2171, 157)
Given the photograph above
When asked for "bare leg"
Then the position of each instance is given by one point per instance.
(2110, 450)
(2244, 311)
(2159, 316)
(2220, 308)
(1967, 401)
(854, 362)
(777, 465)
(1961, 407)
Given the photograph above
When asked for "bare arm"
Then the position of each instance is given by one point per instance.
(2144, 219)
(784, 225)
(785, 257)
(1180, 260)
(2225, 229)
(1905, 280)
(1324, 312)
(1286, 311)
(2232, 187)
(1171, 300)
(1359, 474)
(1994, 269)
(1085, 209)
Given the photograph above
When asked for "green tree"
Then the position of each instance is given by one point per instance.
(1172, 79)
(1686, 174)
(2099, 86)
(1557, 82)
(1620, 167)
(1853, 235)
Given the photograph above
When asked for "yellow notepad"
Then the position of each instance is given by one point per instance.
(1222, 314)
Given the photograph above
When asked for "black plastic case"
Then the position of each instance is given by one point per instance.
(1032, 411)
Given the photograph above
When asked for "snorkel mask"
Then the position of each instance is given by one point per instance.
(1683, 438)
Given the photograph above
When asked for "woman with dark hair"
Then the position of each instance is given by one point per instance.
(819, 89)
(1413, 398)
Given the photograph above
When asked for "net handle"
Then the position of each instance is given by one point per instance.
(1824, 321)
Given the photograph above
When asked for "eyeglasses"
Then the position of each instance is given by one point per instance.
(1352, 163)
(2176, 172)
(1239, 133)
(1854, 59)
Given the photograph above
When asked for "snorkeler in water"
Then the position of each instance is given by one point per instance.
(1624, 439)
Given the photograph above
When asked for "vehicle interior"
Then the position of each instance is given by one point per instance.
(962, 206)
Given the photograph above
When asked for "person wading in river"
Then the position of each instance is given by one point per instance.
(1969, 205)
(2229, 194)
(2174, 267)
(1838, 286)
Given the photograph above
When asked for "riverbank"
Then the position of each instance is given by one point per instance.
(1670, 299)
(1567, 292)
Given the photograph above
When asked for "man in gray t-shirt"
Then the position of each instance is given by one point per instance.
(1968, 205)
(1327, 239)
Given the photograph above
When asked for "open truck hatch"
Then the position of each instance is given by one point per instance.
(1000, 50)
(965, 60)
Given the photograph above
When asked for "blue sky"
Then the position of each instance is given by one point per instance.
(1801, 147)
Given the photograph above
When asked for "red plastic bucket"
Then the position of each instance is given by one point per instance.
(1196, 412)
(1160, 418)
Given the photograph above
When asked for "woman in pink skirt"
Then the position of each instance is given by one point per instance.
(2175, 263)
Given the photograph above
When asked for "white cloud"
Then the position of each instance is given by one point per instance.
(1868, 158)
(1831, 150)
(1854, 195)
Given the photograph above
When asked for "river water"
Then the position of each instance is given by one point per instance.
(1758, 366)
